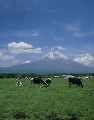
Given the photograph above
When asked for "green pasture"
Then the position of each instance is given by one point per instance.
(58, 102)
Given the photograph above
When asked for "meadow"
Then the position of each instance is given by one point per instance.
(58, 102)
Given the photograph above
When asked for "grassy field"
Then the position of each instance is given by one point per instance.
(58, 102)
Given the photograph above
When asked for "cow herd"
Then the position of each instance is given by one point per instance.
(47, 83)
(36, 80)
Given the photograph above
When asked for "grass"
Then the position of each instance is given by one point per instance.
(58, 102)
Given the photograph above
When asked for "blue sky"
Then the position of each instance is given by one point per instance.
(29, 29)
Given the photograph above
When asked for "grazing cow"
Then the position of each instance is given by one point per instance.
(38, 81)
(48, 81)
(27, 78)
(18, 84)
(75, 81)
(17, 78)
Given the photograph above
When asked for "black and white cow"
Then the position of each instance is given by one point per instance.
(38, 81)
(48, 81)
(75, 81)
(19, 84)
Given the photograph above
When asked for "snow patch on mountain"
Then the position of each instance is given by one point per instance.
(54, 55)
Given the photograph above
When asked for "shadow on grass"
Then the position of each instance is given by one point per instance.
(21, 115)
(52, 116)
(55, 117)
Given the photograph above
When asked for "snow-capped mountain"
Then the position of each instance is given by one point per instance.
(54, 56)
(53, 62)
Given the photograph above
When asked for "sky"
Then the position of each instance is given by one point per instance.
(29, 29)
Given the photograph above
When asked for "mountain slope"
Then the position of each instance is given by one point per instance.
(53, 62)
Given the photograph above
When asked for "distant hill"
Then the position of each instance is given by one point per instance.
(53, 62)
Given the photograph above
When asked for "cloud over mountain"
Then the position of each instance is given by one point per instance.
(85, 59)
(22, 47)
(6, 57)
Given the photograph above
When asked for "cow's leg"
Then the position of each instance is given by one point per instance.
(32, 83)
(81, 85)
(70, 84)
(40, 85)
(78, 84)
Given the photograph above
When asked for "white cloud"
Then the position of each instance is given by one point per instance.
(85, 59)
(27, 61)
(36, 50)
(71, 27)
(5, 57)
(79, 34)
(60, 48)
(15, 61)
(21, 47)
(16, 50)
(35, 34)
(75, 30)
(52, 49)
(27, 34)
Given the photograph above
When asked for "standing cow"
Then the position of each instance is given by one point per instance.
(38, 81)
(75, 81)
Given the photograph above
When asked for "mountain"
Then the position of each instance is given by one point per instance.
(54, 56)
(53, 62)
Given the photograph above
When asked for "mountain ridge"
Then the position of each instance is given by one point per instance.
(53, 62)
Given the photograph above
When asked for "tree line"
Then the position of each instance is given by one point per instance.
(16, 75)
